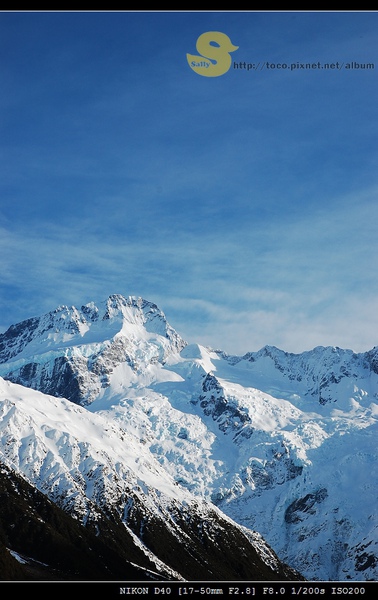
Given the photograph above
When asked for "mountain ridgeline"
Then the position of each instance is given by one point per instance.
(173, 461)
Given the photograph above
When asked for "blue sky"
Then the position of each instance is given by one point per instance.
(244, 205)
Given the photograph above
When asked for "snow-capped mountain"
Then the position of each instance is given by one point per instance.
(131, 416)
(71, 353)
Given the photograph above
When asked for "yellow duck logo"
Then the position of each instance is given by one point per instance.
(214, 48)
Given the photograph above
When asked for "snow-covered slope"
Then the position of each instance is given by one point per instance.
(303, 471)
(97, 472)
(283, 444)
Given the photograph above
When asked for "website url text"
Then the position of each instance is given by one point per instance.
(297, 66)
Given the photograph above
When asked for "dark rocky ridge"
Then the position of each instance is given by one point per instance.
(55, 546)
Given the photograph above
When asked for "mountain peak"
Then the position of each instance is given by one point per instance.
(116, 305)
(85, 345)
(71, 326)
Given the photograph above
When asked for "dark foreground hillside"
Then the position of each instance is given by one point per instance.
(39, 541)
(51, 545)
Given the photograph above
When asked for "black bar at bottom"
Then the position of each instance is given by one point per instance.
(175, 589)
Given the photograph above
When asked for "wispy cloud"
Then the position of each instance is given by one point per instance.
(298, 284)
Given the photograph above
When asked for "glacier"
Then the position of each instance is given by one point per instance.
(112, 402)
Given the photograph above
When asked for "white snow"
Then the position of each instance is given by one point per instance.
(294, 428)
